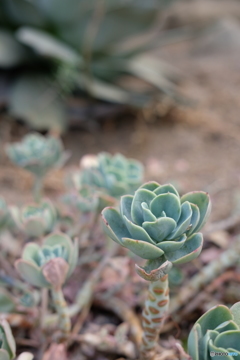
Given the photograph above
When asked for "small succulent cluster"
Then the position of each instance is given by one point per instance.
(37, 153)
(155, 222)
(217, 331)
(50, 265)
(116, 174)
(35, 220)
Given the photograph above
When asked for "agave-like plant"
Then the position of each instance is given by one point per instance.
(158, 225)
(89, 44)
(37, 154)
(7, 342)
(216, 334)
(50, 266)
(116, 175)
(35, 220)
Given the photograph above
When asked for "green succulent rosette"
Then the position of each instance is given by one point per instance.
(35, 258)
(157, 223)
(4, 214)
(217, 331)
(37, 153)
(35, 219)
(7, 342)
(116, 174)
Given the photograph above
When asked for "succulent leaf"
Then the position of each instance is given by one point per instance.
(141, 196)
(160, 228)
(114, 225)
(169, 203)
(136, 231)
(143, 249)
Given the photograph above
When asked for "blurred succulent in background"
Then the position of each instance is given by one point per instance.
(4, 214)
(7, 342)
(35, 220)
(156, 222)
(38, 154)
(115, 174)
(32, 265)
(87, 45)
(218, 330)
(49, 266)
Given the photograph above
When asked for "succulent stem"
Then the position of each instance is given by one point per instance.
(62, 310)
(37, 188)
(153, 316)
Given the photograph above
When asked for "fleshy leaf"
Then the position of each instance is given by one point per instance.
(151, 185)
(137, 232)
(31, 273)
(4, 355)
(228, 339)
(214, 317)
(214, 348)
(193, 341)
(167, 188)
(183, 222)
(114, 225)
(169, 203)
(159, 229)
(59, 238)
(34, 226)
(125, 206)
(202, 200)
(195, 218)
(142, 248)
(235, 310)
(30, 253)
(170, 246)
(147, 214)
(154, 270)
(141, 196)
(189, 251)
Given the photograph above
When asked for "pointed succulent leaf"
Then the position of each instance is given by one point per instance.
(137, 232)
(151, 185)
(214, 317)
(189, 251)
(227, 325)
(183, 222)
(194, 219)
(147, 214)
(141, 248)
(170, 246)
(125, 206)
(114, 225)
(169, 203)
(141, 196)
(235, 310)
(159, 229)
(31, 273)
(60, 239)
(202, 200)
(216, 349)
(167, 188)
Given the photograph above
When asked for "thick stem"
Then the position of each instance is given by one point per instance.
(153, 316)
(37, 188)
(62, 310)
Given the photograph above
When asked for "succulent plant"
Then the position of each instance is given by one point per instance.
(84, 51)
(35, 220)
(216, 334)
(4, 213)
(50, 266)
(7, 342)
(116, 174)
(157, 225)
(156, 222)
(37, 154)
(34, 259)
